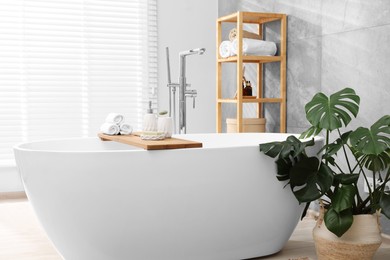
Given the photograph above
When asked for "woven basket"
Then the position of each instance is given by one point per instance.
(360, 242)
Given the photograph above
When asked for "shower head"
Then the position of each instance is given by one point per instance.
(199, 51)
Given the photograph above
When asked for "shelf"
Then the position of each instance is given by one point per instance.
(258, 99)
(252, 59)
(251, 17)
(250, 100)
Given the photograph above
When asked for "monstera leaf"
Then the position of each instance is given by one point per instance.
(372, 146)
(338, 218)
(345, 178)
(310, 179)
(288, 152)
(338, 222)
(312, 131)
(332, 148)
(331, 113)
(292, 146)
(374, 140)
(374, 162)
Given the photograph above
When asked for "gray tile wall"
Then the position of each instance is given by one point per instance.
(332, 44)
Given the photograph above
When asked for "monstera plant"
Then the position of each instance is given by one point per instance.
(333, 174)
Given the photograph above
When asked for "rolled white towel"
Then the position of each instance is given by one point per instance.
(109, 129)
(225, 49)
(125, 129)
(255, 47)
(115, 118)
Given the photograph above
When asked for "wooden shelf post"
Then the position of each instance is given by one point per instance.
(219, 80)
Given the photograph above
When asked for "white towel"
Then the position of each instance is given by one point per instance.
(115, 118)
(225, 49)
(125, 129)
(255, 47)
(109, 129)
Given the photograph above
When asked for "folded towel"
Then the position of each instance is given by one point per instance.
(255, 47)
(225, 49)
(125, 129)
(245, 34)
(115, 118)
(109, 129)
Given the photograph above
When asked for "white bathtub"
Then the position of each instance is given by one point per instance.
(106, 200)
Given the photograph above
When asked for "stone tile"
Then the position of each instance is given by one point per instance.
(304, 17)
(272, 115)
(359, 59)
(346, 15)
(226, 7)
(295, 130)
(303, 78)
(265, 6)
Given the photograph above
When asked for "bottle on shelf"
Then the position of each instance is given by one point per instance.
(243, 85)
(248, 89)
(244, 81)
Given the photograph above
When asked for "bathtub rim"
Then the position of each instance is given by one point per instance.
(20, 146)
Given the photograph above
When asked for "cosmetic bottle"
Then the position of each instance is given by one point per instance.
(150, 120)
(248, 89)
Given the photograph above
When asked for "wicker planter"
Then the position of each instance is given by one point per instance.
(360, 242)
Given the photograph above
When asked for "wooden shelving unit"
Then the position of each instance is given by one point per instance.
(260, 19)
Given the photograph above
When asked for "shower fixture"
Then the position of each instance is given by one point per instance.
(183, 91)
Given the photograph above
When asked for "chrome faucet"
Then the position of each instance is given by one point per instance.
(183, 91)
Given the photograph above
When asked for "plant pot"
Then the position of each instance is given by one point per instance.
(361, 241)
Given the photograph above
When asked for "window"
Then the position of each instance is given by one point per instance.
(66, 64)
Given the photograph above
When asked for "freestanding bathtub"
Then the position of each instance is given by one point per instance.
(106, 200)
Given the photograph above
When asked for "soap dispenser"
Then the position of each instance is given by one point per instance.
(150, 120)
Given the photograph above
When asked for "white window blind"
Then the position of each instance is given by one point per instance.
(66, 64)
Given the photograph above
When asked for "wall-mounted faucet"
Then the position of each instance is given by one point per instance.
(183, 91)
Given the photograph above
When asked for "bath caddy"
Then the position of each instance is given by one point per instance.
(170, 143)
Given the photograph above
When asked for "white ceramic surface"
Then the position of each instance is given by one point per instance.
(106, 200)
(149, 123)
(165, 125)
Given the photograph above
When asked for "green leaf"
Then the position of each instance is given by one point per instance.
(372, 141)
(312, 131)
(375, 163)
(345, 178)
(292, 146)
(332, 148)
(331, 113)
(338, 222)
(310, 179)
(283, 169)
(384, 204)
(344, 197)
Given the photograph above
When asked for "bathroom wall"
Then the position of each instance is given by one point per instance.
(332, 44)
(184, 25)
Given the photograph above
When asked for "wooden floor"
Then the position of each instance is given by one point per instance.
(21, 236)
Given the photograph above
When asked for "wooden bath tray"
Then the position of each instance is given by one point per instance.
(135, 140)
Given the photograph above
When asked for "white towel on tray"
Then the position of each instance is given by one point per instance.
(125, 129)
(115, 118)
(109, 129)
(255, 47)
(225, 49)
